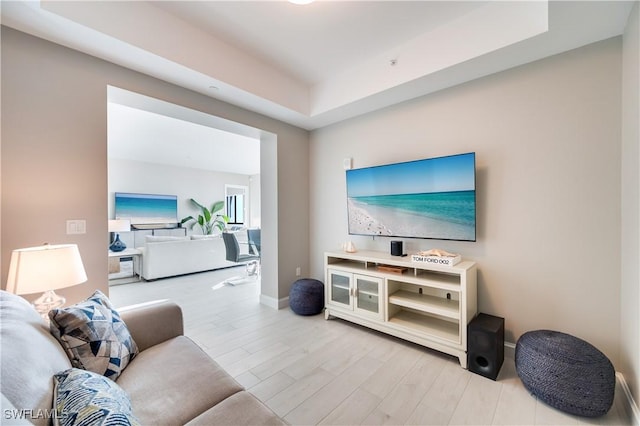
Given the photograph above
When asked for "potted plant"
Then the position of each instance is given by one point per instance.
(208, 219)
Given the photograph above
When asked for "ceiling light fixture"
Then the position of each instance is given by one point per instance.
(300, 2)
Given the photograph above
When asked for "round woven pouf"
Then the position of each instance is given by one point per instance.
(565, 372)
(306, 297)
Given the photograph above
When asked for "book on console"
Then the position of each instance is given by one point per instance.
(436, 260)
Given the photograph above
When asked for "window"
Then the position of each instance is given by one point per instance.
(235, 209)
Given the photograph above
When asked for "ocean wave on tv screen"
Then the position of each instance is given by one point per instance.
(457, 207)
(137, 207)
(436, 215)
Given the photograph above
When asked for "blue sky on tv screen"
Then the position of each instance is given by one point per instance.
(146, 208)
(443, 174)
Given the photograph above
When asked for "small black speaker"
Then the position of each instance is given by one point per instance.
(396, 248)
(485, 345)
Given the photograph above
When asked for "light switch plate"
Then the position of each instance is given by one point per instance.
(76, 226)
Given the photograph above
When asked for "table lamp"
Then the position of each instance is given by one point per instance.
(45, 269)
(119, 225)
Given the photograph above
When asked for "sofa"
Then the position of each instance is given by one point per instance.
(170, 381)
(170, 256)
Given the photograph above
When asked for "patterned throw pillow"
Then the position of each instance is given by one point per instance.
(85, 398)
(94, 336)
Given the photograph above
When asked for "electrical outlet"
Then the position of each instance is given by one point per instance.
(298, 271)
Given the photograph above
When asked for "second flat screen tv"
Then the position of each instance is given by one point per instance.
(431, 198)
(146, 209)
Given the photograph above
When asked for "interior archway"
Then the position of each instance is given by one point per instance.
(267, 182)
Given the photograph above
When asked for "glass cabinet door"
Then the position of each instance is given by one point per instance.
(339, 288)
(368, 294)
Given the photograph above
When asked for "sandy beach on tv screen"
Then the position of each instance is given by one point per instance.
(385, 221)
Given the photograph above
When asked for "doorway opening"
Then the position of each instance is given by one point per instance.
(143, 161)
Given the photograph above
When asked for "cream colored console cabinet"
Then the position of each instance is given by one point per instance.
(430, 305)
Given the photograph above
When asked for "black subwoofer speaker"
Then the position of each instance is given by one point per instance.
(396, 248)
(485, 345)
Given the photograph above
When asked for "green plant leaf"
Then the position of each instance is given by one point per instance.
(186, 219)
(206, 220)
(217, 206)
(200, 206)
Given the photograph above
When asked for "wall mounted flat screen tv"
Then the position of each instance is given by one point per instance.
(147, 209)
(430, 198)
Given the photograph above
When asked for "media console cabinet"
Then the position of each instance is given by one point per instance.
(427, 304)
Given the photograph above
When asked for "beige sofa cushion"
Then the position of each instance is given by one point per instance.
(173, 382)
(241, 408)
(29, 356)
(151, 323)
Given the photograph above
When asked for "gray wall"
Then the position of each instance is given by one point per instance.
(54, 159)
(547, 143)
(630, 289)
(205, 186)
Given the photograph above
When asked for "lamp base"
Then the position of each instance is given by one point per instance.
(48, 301)
(117, 245)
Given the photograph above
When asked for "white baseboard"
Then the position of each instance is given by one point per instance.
(269, 301)
(273, 302)
(630, 405)
(510, 350)
(283, 303)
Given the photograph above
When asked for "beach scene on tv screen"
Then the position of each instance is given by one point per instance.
(432, 198)
(146, 208)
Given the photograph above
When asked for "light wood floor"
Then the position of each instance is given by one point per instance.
(312, 371)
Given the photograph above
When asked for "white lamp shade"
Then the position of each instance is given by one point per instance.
(43, 268)
(120, 225)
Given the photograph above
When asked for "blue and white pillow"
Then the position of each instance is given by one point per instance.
(84, 398)
(94, 336)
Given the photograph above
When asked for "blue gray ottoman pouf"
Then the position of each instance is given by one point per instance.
(306, 297)
(565, 372)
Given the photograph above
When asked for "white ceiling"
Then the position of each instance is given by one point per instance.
(321, 63)
(314, 42)
(139, 135)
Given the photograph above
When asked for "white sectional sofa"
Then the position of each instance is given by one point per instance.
(170, 256)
